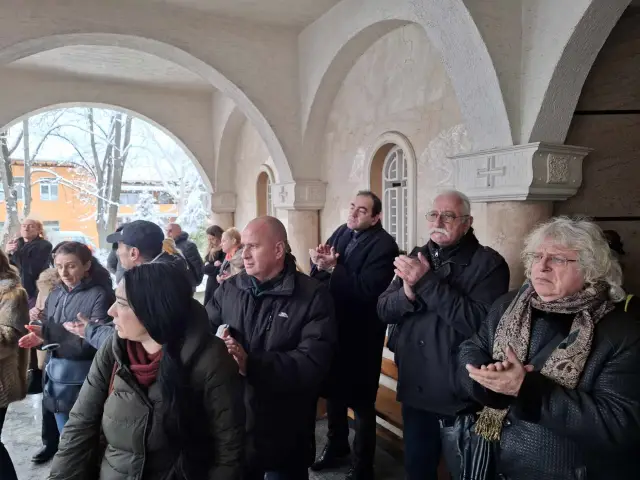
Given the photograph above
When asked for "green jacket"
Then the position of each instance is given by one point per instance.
(127, 416)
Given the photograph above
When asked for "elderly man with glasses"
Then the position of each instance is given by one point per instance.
(439, 297)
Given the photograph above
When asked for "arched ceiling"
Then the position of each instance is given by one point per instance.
(111, 63)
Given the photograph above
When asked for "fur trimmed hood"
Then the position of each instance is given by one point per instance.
(9, 281)
(48, 280)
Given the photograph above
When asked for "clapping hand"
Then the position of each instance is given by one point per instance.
(326, 257)
(504, 377)
(77, 328)
(33, 338)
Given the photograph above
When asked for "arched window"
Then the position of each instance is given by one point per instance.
(264, 202)
(395, 197)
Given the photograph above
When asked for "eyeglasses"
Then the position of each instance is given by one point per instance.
(556, 260)
(447, 217)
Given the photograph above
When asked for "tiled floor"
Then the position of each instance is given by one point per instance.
(21, 435)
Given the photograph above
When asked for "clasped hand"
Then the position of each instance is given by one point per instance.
(504, 377)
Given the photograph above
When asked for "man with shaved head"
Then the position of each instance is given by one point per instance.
(441, 293)
(279, 326)
(190, 252)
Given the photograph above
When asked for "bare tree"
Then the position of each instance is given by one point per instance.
(46, 125)
(102, 166)
(12, 221)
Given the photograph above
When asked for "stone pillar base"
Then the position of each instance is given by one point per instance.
(503, 226)
(223, 219)
(303, 231)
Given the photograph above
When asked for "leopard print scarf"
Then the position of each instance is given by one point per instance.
(564, 365)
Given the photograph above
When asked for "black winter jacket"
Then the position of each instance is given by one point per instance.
(287, 328)
(211, 271)
(356, 284)
(193, 258)
(129, 416)
(31, 258)
(451, 302)
(551, 432)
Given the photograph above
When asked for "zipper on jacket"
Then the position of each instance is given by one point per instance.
(269, 321)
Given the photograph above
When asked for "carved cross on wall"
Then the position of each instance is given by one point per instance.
(283, 194)
(490, 172)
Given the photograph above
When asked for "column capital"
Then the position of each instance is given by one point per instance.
(223, 202)
(535, 171)
(300, 195)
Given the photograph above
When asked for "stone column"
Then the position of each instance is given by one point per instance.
(513, 189)
(223, 206)
(298, 205)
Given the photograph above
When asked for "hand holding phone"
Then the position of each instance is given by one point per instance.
(223, 331)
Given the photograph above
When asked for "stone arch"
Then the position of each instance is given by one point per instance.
(168, 52)
(225, 165)
(375, 158)
(563, 91)
(264, 182)
(6, 121)
(455, 36)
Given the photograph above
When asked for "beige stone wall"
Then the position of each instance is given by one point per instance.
(251, 153)
(610, 186)
(399, 84)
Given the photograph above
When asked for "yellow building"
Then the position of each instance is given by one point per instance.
(56, 198)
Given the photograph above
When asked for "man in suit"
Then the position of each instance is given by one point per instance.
(357, 265)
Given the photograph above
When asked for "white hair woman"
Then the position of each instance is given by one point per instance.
(556, 365)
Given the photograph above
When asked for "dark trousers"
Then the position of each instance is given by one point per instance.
(50, 432)
(7, 471)
(422, 442)
(364, 443)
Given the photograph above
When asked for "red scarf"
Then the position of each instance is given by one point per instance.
(144, 366)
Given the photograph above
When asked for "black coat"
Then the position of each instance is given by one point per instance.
(31, 258)
(193, 258)
(355, 284)
(451, 302)
(552, 432)
(211, 271)
(287, 328)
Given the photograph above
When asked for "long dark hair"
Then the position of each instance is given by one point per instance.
(98, 274)
(161, 299)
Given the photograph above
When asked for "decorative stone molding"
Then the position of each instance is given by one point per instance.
(223, 202)
(536, 171)
(301, 195)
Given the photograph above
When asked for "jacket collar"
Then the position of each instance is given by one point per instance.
(182, 237)
(282, 284)
(460, 253)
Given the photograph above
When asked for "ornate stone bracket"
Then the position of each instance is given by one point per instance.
(536, 171)
(301, 195)
(223, 202)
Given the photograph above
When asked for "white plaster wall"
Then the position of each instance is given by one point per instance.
(251, 153)
(329, 46)
(184, 114)
(399, 84)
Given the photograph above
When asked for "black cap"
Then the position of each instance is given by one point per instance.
(146, 236)
(614, 240)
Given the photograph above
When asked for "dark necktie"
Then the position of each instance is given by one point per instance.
(351, 245)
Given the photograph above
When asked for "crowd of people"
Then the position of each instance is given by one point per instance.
(146, 382)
